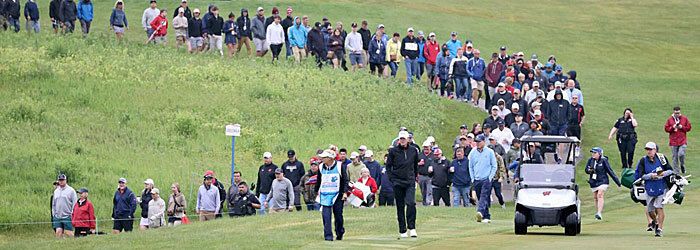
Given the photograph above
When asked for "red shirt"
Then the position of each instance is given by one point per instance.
(370, 183)
(84, 216)
(160, 25)
(493, 73)
(677, 137)
(431, 49)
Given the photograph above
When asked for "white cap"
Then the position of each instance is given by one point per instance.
(148, 181)
(470, 45)
(363, 147)
(354, 155)
(515, 106)
(650, 145)
(431, 34)
(403, 134)
(494, 107)
(557, 84)
(195, 11)
(426, 143)
(180, 10)
(431, 139)
(536, 104)
(535, 84)
(538, 112)
(327, 153)
(470, 135)
(501, 84)
(260, 8)
(155, 191)
(369, 153)
(267, 155)
(410, 29)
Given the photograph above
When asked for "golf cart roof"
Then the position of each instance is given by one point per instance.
(549, 139)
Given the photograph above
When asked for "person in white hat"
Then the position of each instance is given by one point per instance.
(156, 210)
(375, 169)
(124, 208)
(145, 198)
(180, 24)
(654, 169)
(266, 174)
(331, 185)
(361, 150)
(355, 167)
(410, 53)
(402, 169)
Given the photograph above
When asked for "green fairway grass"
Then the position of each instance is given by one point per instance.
(97, 110)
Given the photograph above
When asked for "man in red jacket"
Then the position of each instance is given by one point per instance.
(677, 126)
(160, 27)
(493, 76)
(83, 215)
(431, 49)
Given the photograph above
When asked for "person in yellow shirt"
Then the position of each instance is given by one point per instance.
(393, 53)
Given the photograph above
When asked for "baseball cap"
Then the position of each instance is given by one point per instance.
(327, 154)
(403, 134)
(430, 139)
(208, 176)
(453, 33)
(492, 137)
(520, 53)
(650, 145)
(83, 190)
(557, 84)
(494, 55)
(420, 33)
(148, 181)
(278, 171)
(267, 155)
(426, 143)
(479, 138)
(183, 1)
(154, 1)
(533, 57)
(470, 135)
(122, 180)
(155, 191)
(195, 11)
(538, 112)
(291, 153)
(354, 155)
(354, 25)
(464, 137)
(501, 84)
(548, 65)
(437, 151)
(494, 107)
(410, 29)
(470, 45)
(463, 126)
(431, 34)
(380, 26)
(369, 153)
(362, 148)
(597, 150)
(558, 68)
(515, 106)
(503, 47)
(260, 9)
(501, 122)
(536, 104)
(61, 177)
(535, 84)
(180, 10)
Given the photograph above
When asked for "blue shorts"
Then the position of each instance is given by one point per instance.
(63, 223)
(355, 59)
(229, 39)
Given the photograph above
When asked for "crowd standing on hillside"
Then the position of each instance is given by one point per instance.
(524, 97)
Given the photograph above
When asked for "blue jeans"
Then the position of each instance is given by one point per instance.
(411, 70)
(33, 25)
(262, 199)
(13, 23)
(460, 193)
(461, 87)
(289, 49)
(313, 207)
(337, 211)
(394, 68)
(149, 32)
(483, 189)
(496, 186)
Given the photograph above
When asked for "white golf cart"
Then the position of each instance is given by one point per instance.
(546, 193)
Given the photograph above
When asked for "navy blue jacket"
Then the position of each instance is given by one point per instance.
(124, 204)
(601, 168)
(386, 186)
(31, 11)
(461, 176)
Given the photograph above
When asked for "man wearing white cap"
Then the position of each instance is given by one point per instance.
(402, 168)
(143, 202)
(361, 150)
(654, 169)
(410, 51)
(180, 24)
(124, 208)
(156, 210)
(375, 169)
(532, 94)
(331, 186)
(266, 174)
(431, 50)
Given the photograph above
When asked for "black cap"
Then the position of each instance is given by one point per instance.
(61, 177)
(501, 122)
(291, 153)
(83, 190)
(464, 126)
(317, 24)
(278, 171)
(207, 177)
(153, 1)
(494, 55)
(354, 25)
(479, 138)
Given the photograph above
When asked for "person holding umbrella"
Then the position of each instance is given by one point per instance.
(599, 169)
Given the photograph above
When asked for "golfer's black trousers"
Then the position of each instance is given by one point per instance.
(405, 206)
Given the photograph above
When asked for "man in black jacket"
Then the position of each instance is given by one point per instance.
(294, 171)
(266, 174)
(402, 166)
(410, 51)
(286, 23)
(195, 33)
(183, 5)
(316, 44)
(332, 194)
(441, 173)
(558, 114)
(242, 202)
(366, 38)
(68, 13)
(53, 14)
(12, 13)
(243, 32)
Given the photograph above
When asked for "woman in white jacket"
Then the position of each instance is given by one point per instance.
(156, 210)
(275, 38)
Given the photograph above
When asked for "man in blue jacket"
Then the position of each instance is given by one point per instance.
(461, 181)
(654, 170)
(297, 35)
(453, 44)
(31, 14)
(124, 208)
(476, 68)
(85, 14)
(482, 169)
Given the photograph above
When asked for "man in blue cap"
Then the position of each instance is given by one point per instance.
(482, 169)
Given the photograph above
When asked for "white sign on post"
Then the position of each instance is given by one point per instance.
(233, 130)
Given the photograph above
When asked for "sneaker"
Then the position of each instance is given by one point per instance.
(403, 235)
(486, 221)
(650, 227)
(479, 216)
(503, 206)
(413, 233)
(653, 226)
(683, 169)
(598, 216)
(659, 232)
(339, 237)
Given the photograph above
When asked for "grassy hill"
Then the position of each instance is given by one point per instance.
(99, 111)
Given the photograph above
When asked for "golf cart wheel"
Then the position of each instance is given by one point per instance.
(520, 223)
(578, 228)
(571, 225)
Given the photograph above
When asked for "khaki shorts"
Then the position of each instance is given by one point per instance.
(206, 215)
(478, 85)
(655, 202)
